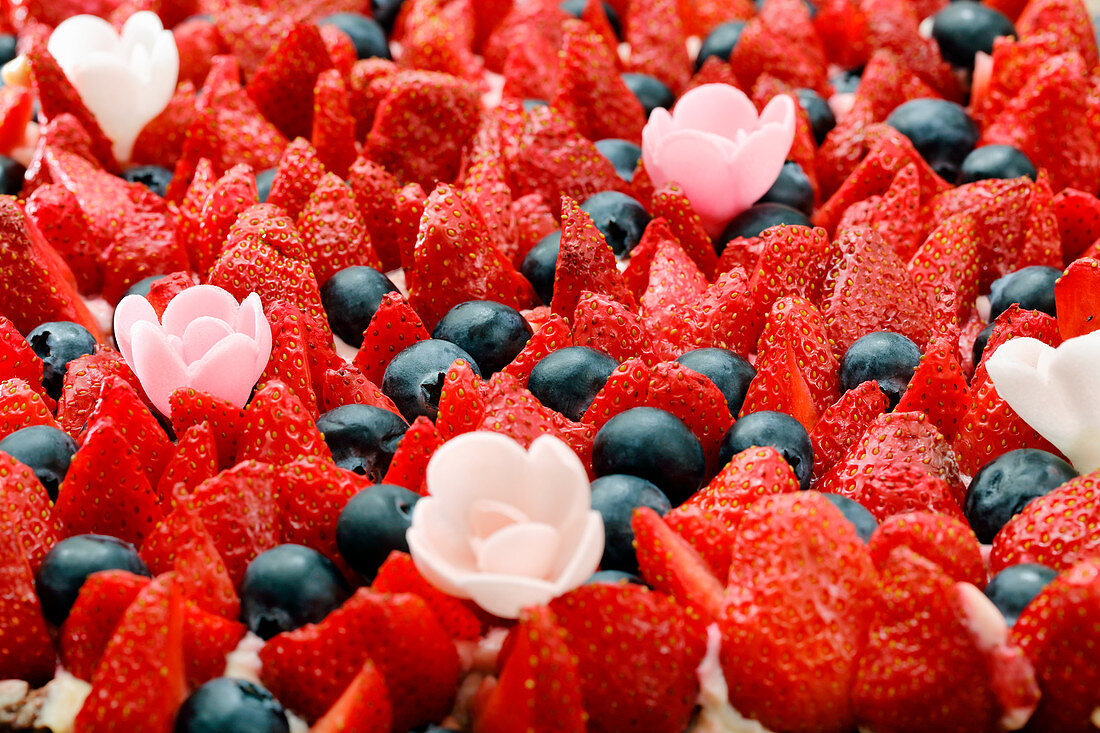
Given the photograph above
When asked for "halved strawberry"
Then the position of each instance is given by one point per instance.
(241, 133)
(230, 195)
(585, 262)
(1075, 298)
(552, 335)
(945, 541)
(670, 203)
(278, 428)
(896, 214)
(333, 126)
(288, 362)
(27, 511)
(398, 574)
(438, 37)
(410, 462)
(182, 544)
(461, 404)
(311, 496)
(83, 383)
(207, 639)
(781, 42)
(56, 212)
(938, 388)
(347, 386)
(282, 87)
(21, 406)
(120, 404)
(1052, 529)
(1067, 20)
(100, 605)
(26, 651)
(299, 172)
(605, 324)
(694, 399)
(394, 327)
(363, 707)
(750, 475)
(895, 25)
(842, 424)
(191, 407)
(375, 191)
(656, 36)
(673, 281)
(1078, 215)
(669, 563)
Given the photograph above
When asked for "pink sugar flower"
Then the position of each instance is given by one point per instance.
(204, 340)
(722, 154)
(503, 526)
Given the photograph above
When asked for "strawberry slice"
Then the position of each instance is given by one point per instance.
(100, 605)
(670, 203)
(21, 406)
(181, 543)
(375, 192)
(333, 126)
(673, 281)
(938, 388)
(670, 564)
(27, 510)
(347, 386)
(394, 327)
(1078, 215)
(190, 407)
(398, 574)
(207, 639)
(56, 212)
(1052, 530)
(26, 651)
(706, 535)
(896, 214)
(585, 262)
(607, 325)
(842, 424)
(752, 474)
(485, 187)
(299, 172)
(512, 410)
(410, 462)
(1067, 21)
(282, 86)
(364, 707)
(461, 404)
(314, 495)
(722, 317)
(120, 405)
(332, 230)
(278, 428)
(288, 362)
(1076, 296)
(83, 383)
(552, 335)
(945, 541)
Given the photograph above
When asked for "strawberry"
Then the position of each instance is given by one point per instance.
(632, 644)
(310, 501)
(821, 621)
(1075, 295)
(695, 400)
(409, 207)
(901, 463)
(539, 687)
(251, 33)
(654, 28)
(670, 203)
(207, 639)
(347, 386)
(1078, 216)
(485, 188)
(590, 91)
(673, 280)
(626, 387)
(57, 214)
(948, 258)
(943, 540)
(240, 511)
(896, 214)
(145, 244)
(106, 490)
(26, 508)
(524, 22)
(609, 326)
(398, 574)
(341, 49)
(842, 27)
(282, 86)
(409, 463)
(119, 404)
(190, 407)
(100, 605)
(422, 125)
(16, 110)
(363, 96)
(1052, 529)
(750, 475)
(394, 327)
(842, 424)
(461, 405)
(315, 337)
(83, 383)
(513, 411)
(938, 388)
(1057, 632)
(299, 172)
(26, 651)
(332, 230)
(670, 564)
(288, 362)
(141, 674)
(398, 633)
(530, 68)
(375, 192)
(700, 16)
(723, 317)
(782, 43)
(552, 335)
(364, 707)
(455, 261)
(585, 262)
(278, 428)
(181, 543)
(894, 25)
(230, 195)
(706, 535)
(438, 39)
(197, 42)
(21, 406)
(333, 126)
(1066, 19)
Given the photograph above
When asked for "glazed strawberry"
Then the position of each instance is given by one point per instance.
(333, 126)
(282, 87)
(622, 634)
(142, 664)
(1078, 221)
(398, 574)
(413, 453)
(299, 172)
(120, 404)
(190, 407)
(364, 706)
(25, 648)
(1075, 298)
(821, 621)
(101, 604)
(604, 324)
(947, 542)
(27, 510)
(1052, 530)
(278, 428)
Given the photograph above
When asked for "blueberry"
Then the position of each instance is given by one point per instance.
(822, 119)
(288, 587)
(720, 42)
(965, 27)
(153, 177)
(264, 179)
(620, 218)
(532, 104)
(143, 286)
(373, 524)
(864, 522)
(227, 705)
(69, 562)
(777, 430)
(654, 445)
(414, 378)
(365, 33)
(623, 154)
(1032, 288)
(846, 81)
(45, 450)
(1004, 486)
(757, 218)
(385, 12)
(884, 357)
(362, 438)
(729, 372)
(540, 264)
(941, 131)
(57, 343)
(576, 7)
(995, 161)
(351, 297)
(8, 50)
(615, 497)
(651, 92)
(1014, 587)
(792, 188)
(567, 380)
(492, 333)
(980, 341)
(614, 577)
(11, 176)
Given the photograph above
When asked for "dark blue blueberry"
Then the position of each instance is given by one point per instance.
(654, 445)
(227, 705)
(729, 372)
(864, 522)
(530, 104)
(995, 161)
(365, 33)
(884, 357)
(615, 497)
(7, 48)
(414, 378)
(775, 429)
(623, 154)
(45, 450)
(153, 177)
(614, 577)
(1004, 486)
(620, 218)
(373, 524)
(792, 188)
(69, 562)
(433, 728)
(385, 12)
(1014, 587)
(980, 342)
(757, 218)
(362, 438)
(720, 42)
(492, 333)
(651, 92)
(57, 343)
(11, 176)
(567, 380)
(576, 8)
(1032, 288)
(846, 81)
(539, 265)
(264, 179)
(822, 119)
(351, 297)
(287, 587)
(941, 131)
(965, 27)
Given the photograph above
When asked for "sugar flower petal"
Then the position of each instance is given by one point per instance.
(157, 364)
(128, 312)
(719, 109)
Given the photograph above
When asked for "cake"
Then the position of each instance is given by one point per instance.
(494, 365)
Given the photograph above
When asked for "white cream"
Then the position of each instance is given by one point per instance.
(65, 695)
(717, 715)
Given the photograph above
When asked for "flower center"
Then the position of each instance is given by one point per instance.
(506, 542)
